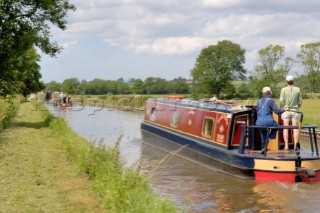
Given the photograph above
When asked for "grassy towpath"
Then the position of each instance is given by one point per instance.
(35, 175)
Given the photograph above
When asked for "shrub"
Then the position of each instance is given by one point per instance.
(8, 108)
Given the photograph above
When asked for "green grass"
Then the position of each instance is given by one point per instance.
(47, 167)
(311, 111)
(35, 175)
(121, 190)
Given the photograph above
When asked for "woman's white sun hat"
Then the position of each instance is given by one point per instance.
(289, 78)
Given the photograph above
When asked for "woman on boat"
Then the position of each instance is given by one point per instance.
(291, 100)
(62, 98)
(265, 107)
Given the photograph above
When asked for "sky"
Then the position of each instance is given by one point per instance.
(112, 39)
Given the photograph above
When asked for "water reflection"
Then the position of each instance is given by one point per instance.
(197, 188)
(202, 190)
(190, 185)
(107, 125)
(285, 197)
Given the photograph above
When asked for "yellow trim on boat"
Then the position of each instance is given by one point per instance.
(311, 164)
(274, 165)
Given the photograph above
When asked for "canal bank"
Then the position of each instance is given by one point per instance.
(46, 167)
(34, 173)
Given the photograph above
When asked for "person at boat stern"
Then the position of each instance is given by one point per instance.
(265, 107)
(290, 101)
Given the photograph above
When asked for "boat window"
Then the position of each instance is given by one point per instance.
(174, 119)
(207, 127)
(152, 115)
(153, 109)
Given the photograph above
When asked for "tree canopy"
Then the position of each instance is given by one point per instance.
(273, 67)
(309, 56)
(216, 66)
(28, 74)
(25, 25)
(97, 86)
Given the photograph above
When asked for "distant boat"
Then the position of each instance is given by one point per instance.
(222, 136)
(63, 104)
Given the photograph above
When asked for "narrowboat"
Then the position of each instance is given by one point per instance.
(62, 103)
(223, 136)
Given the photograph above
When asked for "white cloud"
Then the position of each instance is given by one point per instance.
(171, 46)
(143, 28)
(220, 3)
(163, 20)
(69, 44)
(171, 28)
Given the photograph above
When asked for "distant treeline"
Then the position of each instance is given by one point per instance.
(151, 85)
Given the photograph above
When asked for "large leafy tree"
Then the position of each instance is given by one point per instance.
(179, 86)
(28, 75)
(71, 86)
(155, 85)
(25, 24)
(138, 86)
(53, 86)
(122, 87)
(96, 87)
(216, 67)
(309, 56)
(273, 66)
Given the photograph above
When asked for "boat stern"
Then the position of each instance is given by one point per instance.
(288, 170)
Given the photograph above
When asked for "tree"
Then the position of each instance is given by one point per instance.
(216, 66)
(82, 87)
(121, 80)
(123, 88)
(138, 86)
(53, 86)
(112, 87)
(29, 73)
(244, 91)
(179, 86)
(24, 25)
(24, 77)
(71, 86)
(273, 67)
(96, 87)
(156, 86)
(309, 56)
(180, 78)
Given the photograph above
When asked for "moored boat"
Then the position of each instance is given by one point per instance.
(222, 136)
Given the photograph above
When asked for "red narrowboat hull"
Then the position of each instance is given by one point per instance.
(285, 177)
(211, 134)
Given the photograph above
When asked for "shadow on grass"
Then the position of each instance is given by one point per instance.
(35, 125)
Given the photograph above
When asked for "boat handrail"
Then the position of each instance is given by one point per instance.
(245, 133)
(270, 127)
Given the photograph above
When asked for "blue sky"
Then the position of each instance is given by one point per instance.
(110, 39)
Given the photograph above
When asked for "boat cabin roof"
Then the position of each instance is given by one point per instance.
(207, 104)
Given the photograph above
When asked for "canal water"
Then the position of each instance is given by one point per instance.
(189, 185)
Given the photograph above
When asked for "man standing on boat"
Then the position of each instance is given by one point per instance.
(291, 100)
(266, 106)
(63, 99)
